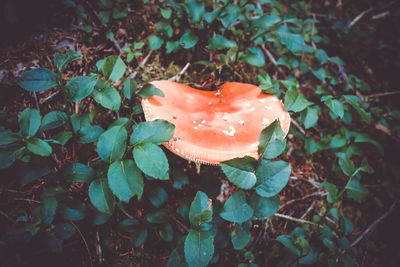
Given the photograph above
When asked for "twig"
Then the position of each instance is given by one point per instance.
(374, 224)
(308, 210)
(36, 101)
(318, 193)
(126, 213)
(312, 182)
(260, 234)
(179, 75)
(182, 225)
(84, 241)
(100, 258)
(297, 125)
(362, 14)
(42, 100)
(383, 94)
(287, 217)
(7, 217)
(28, 200)
(381, 15)
(272, 59)
(144, 61)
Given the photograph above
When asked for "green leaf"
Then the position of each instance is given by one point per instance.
(254, 57)
(271, 142)
(200, 210)
(129, 225)
(337, 141)
(265, 22)
(240, 171)
(9, 155)
(195, 10)
(159, 216)
(309, 116)
(155, 42)
(33, 170)
(236, 209)
(158, 196)
(346, 164)
(166, 12)
(119, 13)
(199, 248)
(48, 210)
(293, 41)
(332, 191)
(80, 87)
(240, 237)
(129, 88)
(139, 237)
(321, 56)
(101, 196)
(64, 231)
(38, 80)
(357, 104)
(125, 180)
(113, 68)
(107, 96)
(151, 160)
(295, 101)
(272, 177)
(264, 207)
(148, 90)
(156, 132)
(336, 60)
(112, 144)
(189, 39)
(334, 105)
(39, 147)
(78, 173)
(89, 134)
(105, 16)
(220, 42)
(62, 138)
(8, 138)
(319, 73)
(166, 234)
(180, 178)
(172, 46)
(29, 122)
(62, 60)
(53, 120)
(75, 213)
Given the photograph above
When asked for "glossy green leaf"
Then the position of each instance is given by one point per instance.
(293, 41)
(149, 90)
(332, 191)
(172, 46)
(29, 121)
(64, 231)
(309, 116)
(78, 173)
(200, 210)
(80, 87)
(160, 216)
(125, 180)
(295, 101)
(89, 134)
(319, 73)
(236, 208)
(271, 142)
(219, 42)
(240, 171)
(264, 207)
(167, 233)
(334, 105)
(129, 225)
(155, 42)
(62, 138)
(199, 248)
(112, 144)
(321, 55)
(151, 160)
(8, 138)
(39, 147)
(240, 237)
(101, 196)
(62, 60)
(53, 120)
(255, 57)
(48, 210)
(158, 196)
(139, 237)
(166, 12)
(107, 96)
(37, 80)
(74, 213)
(113, 68)
(272, 177)
(189, 39)
(357, 104)
(156, 132)
(129, 88)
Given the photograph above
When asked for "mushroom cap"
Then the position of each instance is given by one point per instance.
(211, 127)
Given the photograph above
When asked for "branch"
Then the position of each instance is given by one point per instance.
(287, 217)
(177, 77)
(383, 94)
(84, 241)
(374, 224)
(297, 125)
(354, 21)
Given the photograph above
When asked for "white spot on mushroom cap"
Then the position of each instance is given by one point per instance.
(194, 122)
(247, 104)
(209, 103)
(203, 121)
(225, 117)
(252, 109)
(195, 127)
(262, 100)
(275, 99)
(231, 131)
(241, 122)
(268, 107)
(265, 121)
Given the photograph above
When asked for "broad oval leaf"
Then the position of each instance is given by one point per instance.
(240, 171)
(125, 180)
(219, 42)
(53, 120)
(189, 39)
(78, 173)
(148, 90)
(156, 132)
(29, 121)
(101, 196)
(236, 208)
(158, 196)
(272, 177)
(112, 144)
(295, 101)
(151, 160)
(155, 42)
(129, 88)
(254, 57)
(62, 60)
(107, 96)
(80, 87)
(39, 147)
(264, 207)
(200, 209)
(113, 68)
(199, 248)
(240, 237)
(37, 80)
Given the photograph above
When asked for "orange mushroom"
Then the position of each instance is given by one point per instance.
(211, 127)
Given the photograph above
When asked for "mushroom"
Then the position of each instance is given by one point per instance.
(211, 127)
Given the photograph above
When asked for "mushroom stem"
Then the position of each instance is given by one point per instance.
(198, 165)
